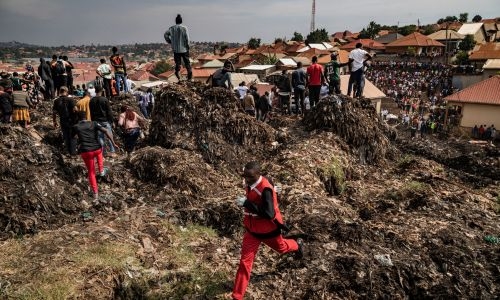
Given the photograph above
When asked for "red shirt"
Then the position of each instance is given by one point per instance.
(314, 71)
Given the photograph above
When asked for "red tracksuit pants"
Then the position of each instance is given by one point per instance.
(249, 248)
(89, 159)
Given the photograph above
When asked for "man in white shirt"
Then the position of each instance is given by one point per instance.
(104, 70)
(242, 90)
(357, 60)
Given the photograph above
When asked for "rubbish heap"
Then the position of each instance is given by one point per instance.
(210, 122)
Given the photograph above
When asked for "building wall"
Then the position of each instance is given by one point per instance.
(477, 114)
(479, 37)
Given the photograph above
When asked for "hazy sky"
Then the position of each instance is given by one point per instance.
(58, 22)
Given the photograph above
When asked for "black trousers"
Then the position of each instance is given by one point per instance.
(314, 91)
(107, 87)
(184, 57)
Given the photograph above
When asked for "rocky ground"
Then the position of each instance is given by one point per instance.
(382, 216)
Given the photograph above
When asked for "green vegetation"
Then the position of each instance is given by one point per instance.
(333, 176)
(467, 43)
(462, 58)
(161, 67)
(254, 43)
(298, 37)
(371, 31)
(318, 36)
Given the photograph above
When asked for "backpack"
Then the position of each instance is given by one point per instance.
(60, 69)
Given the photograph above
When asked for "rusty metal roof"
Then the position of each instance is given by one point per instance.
(484, 92)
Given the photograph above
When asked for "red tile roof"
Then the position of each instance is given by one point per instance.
(367, 44)
(343, 58)
(142, 75)
(484, 92)
(486, 51)
(415, 39)
(200, 73)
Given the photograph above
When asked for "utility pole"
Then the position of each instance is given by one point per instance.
(313, 16)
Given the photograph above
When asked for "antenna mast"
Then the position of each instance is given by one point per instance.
(313, 16)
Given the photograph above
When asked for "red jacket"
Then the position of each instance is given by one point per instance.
(254, 223)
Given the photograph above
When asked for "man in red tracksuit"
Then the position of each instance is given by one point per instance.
(263, 223)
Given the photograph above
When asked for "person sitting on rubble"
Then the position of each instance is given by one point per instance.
(222, 77)
(90, 148)
(131, 123)
(21, 105)
(5, 106)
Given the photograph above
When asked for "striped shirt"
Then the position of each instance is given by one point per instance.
(178, 37)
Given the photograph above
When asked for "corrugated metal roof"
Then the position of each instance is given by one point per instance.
(470, 28)
(484, 92)
(258, 67)
(492, 64)
(415, 39)
(486, 51)
(370, 91)
(288, 62)
(441, 35)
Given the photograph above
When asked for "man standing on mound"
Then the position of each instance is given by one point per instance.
(263, 223)
(178, 37)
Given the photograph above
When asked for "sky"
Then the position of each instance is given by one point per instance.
(110, 22)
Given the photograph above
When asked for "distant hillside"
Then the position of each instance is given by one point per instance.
(15, 44)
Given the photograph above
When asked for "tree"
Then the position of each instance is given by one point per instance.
(254, 43)
(408, 29)
(477, 18)
(463, 17)
(278, 40)
(318, 36)
(447, 19)
(462, 58)
(161, 67)
(467, 43)
(371, 31)
(297, 37)
(429, 29)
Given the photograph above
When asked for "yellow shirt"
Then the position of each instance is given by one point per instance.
(83, 105)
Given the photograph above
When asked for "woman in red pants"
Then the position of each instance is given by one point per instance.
(90, 149)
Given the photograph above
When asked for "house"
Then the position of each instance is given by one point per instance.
(286, 63)
(370, 91)
(388, 38)
(213, 64)
(319, 46)
(474, 29)
(368, 44)
(450, 38)
(479, 103)
(310, 53)
(492, 29)
(142, 75)
(415, 43)
(491, 68)
(304, 60)
(484, 52)
(237, 78)
(260, 70)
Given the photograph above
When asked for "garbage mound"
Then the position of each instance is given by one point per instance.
(356, 122)
(37, 192)
(209, 122)
(176, 169)
(477, 163)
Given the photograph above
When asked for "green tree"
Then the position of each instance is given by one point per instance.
(254, 43)
(408, 29)
(463, 17)
(297, 37)
(370, 31)
(278, 40)
(462, 58)
(477, 18)
(161, 67)
(318, 36)
(467, 43)
(429, 29)
(447, 19)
